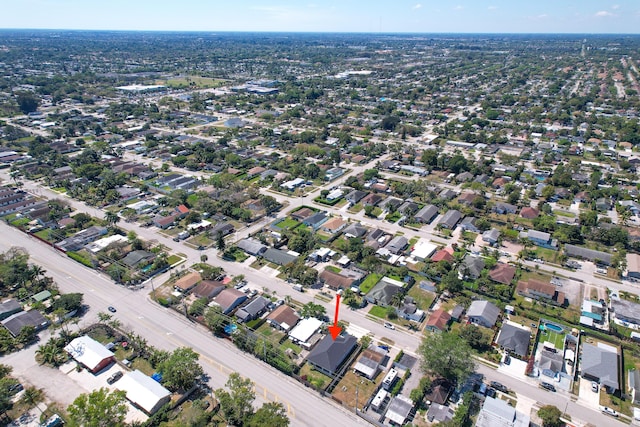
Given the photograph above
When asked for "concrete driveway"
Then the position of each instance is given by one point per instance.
(587, 397)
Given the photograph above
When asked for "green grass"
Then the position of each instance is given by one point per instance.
(172, 259)
(370, 282)
(565, 214)
(422, 297)
(333, 269)
(356, 208)
(288, 344)
(378, 311)
(193, 81)
(45, 235)
(556, 339)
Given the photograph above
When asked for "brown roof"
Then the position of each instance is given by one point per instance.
(208, 289)
(529, 212)
(284, 314)
(303, 213)
(439, 319)
(373, 355)
(467, 197)
(227, 297)
(442, 255)
(334, 224)
(335, 280)
(371, 199)
(502, 273)
(537, 286)
(255, 170)
(187, 282)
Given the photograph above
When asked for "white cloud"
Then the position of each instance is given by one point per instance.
(492, 7)
(544, 15)
(603, 13)
(459, 7)
(417, 6)
(615, 7)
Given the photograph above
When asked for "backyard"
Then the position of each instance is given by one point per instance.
(353, 386)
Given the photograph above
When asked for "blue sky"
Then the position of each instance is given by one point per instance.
(422, 16)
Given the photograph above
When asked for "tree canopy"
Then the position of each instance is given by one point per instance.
(446, 355)
(99, 408)
(181, 369)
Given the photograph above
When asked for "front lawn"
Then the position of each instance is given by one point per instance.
(287, 224)
(378, 311)
(423, 298)
(370, 282)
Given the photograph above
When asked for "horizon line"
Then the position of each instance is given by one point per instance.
(313, 32)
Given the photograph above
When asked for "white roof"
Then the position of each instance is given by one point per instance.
(202, 224)
(423, 249)
(305, 329)
(142, 390)
(88, 351)
(100, 244)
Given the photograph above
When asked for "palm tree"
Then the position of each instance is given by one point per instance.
(32, 396)
(111, 218)
(50, 354)
(397, 300)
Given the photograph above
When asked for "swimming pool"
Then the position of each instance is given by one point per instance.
(553, 327)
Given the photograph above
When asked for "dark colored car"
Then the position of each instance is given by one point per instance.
(111, 309)
(547, 386)
(114, 377)
(499, 386)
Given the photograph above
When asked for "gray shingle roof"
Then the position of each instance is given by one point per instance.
(600, 363)
(515, 339)
(329, 354)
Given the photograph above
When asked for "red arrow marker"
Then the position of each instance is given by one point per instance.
(335, 329)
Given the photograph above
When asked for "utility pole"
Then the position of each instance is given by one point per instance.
(357, 385)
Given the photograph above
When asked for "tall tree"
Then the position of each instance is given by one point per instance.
(446, 355)
(550, 416)
(111, 218)
(181, 370)
(99, 408)
(236, 404)
(271, 414)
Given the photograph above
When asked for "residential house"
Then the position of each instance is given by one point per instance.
(422, 250)
(372, 199)
(483, 313)
(625, 312)
(467, 197)
(426, 214)
(255, 171)
(539, 290)
(333, 173)
(408, 207)
(283, 318)
(390, 204)
(438, 413)
(355, 196)
(592, 313)
(450, 219)
(471, 267)
(134, 258)
(304, 331)
(164, 222)
(633, 267)
(409, 310)
(355, 229)
(502, 208)
(370, 362)
(19, 320)
(228, 299)
(187, 282)
(445, 254)
(329, 355)
(439, 391)
(90, 353)
(208, 289)
(8, 308)
(514, 338)
(382, 293)
(469, 224)
(144, 392)
(252, 310)
(399, 410)
(491, 236)
(498, 413)
(333, 225)
(589, 254)
(502, 273)
(222, 228)
(336, 281)
(633, 382)
(252, 247)
(447, 194)
(279, 257)
(397, 244)
(601, 363)
(540, 238)
(316, 220)
(321, 255)
(81, 238)
(529, 212)
(302, 214)
(438, 321)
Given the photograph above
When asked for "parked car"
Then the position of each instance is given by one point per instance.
(389, 325)
(594, 386)
(608, 411)
(499, 386)
(114, 377)
(111, 309)
(547, 386)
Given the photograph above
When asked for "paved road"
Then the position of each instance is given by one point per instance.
(559, 399)
(165, 329)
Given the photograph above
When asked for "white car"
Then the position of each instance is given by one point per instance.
(389, 325)
(609, 411)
